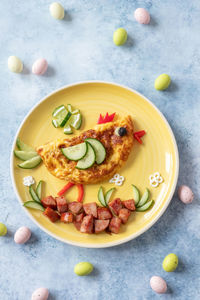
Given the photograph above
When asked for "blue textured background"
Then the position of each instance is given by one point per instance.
(80, 48)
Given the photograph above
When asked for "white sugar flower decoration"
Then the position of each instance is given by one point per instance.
(155, 179)
(28, 181)
(117, 179)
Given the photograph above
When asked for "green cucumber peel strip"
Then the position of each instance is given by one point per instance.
(24, 147)
(33, 204)
(108, 195)
(145, 206)
(33, 194)
(144, 199)
(39, 189)
(136, 195)
(101, 197)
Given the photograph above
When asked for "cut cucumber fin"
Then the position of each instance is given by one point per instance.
(146, 206)
(33, 194)
(76, 111)
(39, 189)
(101, 196)
(76, 121)
(57, 110)
(25, 155)
(99, 149)
(69, 107)
(136, 194)
(144, 198)
(88, 160)
(24, 147)
(66, 118)
(76, 152)
(67, 129)
(55, 123)
(33, 204)
(31, 163)
(108, 195)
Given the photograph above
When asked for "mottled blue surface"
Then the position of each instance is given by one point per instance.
(80, 48)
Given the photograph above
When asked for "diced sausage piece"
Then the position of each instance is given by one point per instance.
(90, 209)
(101, 225)
(51, 214)
(75, 207)
(49, 201)
(61, 204)
(115, 205)
(79, 218)
(124, 214)
(66, 217)
(77, 225)
(87, 224)
(115, 225)
(104, 213)
(130, 204)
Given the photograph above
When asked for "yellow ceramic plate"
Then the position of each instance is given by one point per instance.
(158, 153)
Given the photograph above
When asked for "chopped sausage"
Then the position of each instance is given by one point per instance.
(77, 225)
(115, 205)
(90, 209)
(51, 214)
(87, 224)
(79, 218)
(66, 217)
(49, 201)
(124, 214)
(75, 207)
(104, 213)
(115, 225)
(101, 225)
(130, 204)
(61, 204)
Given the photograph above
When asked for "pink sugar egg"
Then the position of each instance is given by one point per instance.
(40, 66)
(158, 284)
(142, 16)
(40, 294)
(22, 235)
(185, 194)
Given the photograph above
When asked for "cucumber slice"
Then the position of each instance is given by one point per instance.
(76, 121)
(67, 129)
(76, 152)
(58, 110)
(25, 155)
(31, 163)
(101, 197)
(39, 189)
(136, 194)
(108, 195)
(144, 198)
(33, 204)
(88, 160)
(55, 123)
(99, 149)
(69, 107)
(61, 116)
(22, 146)
(33, 194)
(64, 121)
(145, 206)
(76, 111)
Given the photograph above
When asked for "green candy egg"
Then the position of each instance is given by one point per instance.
(83, 268)
(120, 36)
(170, 262)
(162, 82)
(3, 229)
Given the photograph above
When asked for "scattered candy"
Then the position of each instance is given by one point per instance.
(14, 64)
(142, 16)
(155, 179)
(185, 194)
(162, 82)
(83, 268)
(28, 180)
(170, 262)
(3, 229)
(117, 179)
(22, 235)
(158, 284)
(57, 11)
(40, 294)
(120, 37)
(40, 66)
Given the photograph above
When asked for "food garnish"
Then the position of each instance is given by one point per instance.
(68, 186)
(155, 179)
(137, 135)
(106, 119)
(117, 179)
(104, 200)
(28, 154)
(28, 180)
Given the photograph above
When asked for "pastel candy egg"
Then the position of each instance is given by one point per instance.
(22, 235)
(57, 11)
(170, 262)
(185, 194)
(14, 64)
(158, 284)
(83, 268)
(162, 82)
(120, 37)
(40, 294)
(142, 16)
(40, 66)
(3, 229)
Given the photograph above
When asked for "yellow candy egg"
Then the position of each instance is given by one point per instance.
(162, 82)
(15, 64)
(83, 268)
(3, 229)
(57, 11)
(120, 37)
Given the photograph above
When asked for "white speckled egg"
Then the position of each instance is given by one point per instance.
(185, 194)
(57, 11)
(40, 294)
(142, 16)
(158, 284)
(40, 66)
(15, 64)
(22, 235)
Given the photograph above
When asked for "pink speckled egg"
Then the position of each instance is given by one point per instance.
(185, 194)
(158, 284)
(22, 235)
(40, 66)
(40, 294)
(142, 16)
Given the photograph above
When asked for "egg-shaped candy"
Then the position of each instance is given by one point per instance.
(15, 64)
(120, 37)
(40, 294)
(22, 235)
(162, 82)
(57, 11)
(83, 268)
(3, 229)
(185, 194)
(170, 263)
(158, 284)
(40, 66)
(142, 16)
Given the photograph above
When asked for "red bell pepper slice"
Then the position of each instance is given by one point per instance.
(138, 139)
(100, 120)
(65, 188)
(80, 192)
(111, 117)
(106, 119)
(137, 135)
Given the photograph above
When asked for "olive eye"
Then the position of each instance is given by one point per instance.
(120, 131)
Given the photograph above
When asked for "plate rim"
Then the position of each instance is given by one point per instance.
(134, 235)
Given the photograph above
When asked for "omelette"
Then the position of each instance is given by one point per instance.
(117, 149)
